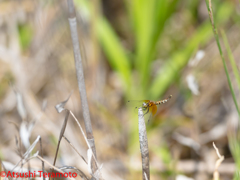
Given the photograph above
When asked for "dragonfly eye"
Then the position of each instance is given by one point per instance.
(144, 104)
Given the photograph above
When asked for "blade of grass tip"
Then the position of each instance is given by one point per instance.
(80, 78)
(61, 135)
(143, 144)
(209, 7)
(41, 151)
(231, 58)
(60, 107)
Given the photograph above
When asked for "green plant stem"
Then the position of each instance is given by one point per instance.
(209, 6)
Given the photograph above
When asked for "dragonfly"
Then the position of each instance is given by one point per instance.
(150, 107)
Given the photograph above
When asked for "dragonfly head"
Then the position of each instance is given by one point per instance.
(144, 105)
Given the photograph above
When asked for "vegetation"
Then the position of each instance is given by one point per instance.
(129, 50)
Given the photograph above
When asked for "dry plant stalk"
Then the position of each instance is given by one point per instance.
(61, 135)
(75, 149)
(218, 163)
(143, 145)
(95, 174)
(89, 146)
(53, 167)
(41, 151)
(80, 79)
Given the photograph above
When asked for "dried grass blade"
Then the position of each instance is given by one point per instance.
(40, 141)
(20, 105)
(89, 146)
(61, 106)
(26, 154)
(61, 135)
(53, 167)
(10, 178)
(218, 163)
(75, 149)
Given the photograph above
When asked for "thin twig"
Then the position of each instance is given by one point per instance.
(143, 145)
(41, 151)
(80, 78)
(218, 163)
(89, 146)
(61, 135)
(62, 132)
(75, 149)
(26, 154)
(29, 166)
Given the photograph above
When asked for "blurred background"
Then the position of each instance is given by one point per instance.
(132, 50)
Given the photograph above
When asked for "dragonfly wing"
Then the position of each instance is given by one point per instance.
(152, 112)
(153, 109)
(138, 101)
(149, 117)
(136, 104)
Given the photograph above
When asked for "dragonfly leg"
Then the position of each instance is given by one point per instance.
(146, 112)
(149, 118)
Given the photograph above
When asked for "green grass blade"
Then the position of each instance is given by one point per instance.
(143, 40)
(164, 10)
(221, 54)
(25, 35)
(178, 61)
(231, 58)
(149, 18)
(114, 50)
(235, 149)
